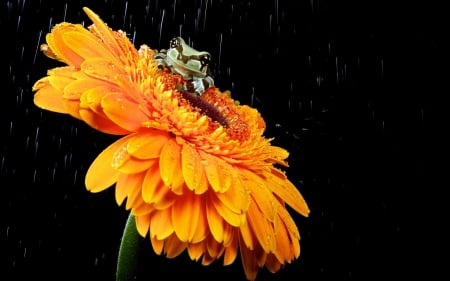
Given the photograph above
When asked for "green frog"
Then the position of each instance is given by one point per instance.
(191, 64)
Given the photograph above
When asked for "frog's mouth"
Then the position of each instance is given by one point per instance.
(189, 68)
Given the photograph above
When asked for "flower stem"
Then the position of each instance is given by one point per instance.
(127, 261)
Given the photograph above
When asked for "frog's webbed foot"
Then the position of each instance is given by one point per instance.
(200, 85)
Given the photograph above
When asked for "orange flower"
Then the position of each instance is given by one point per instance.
(196, 172)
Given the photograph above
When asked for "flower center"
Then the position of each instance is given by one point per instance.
(222, 109)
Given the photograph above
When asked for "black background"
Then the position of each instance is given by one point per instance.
(351, 88)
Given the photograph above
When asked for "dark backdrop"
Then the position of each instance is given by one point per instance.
(351, 89)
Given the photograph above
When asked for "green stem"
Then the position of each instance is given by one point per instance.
(128, 252)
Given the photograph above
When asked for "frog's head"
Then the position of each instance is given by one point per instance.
(186, 60)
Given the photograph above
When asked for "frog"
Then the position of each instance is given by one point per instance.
(186, 61)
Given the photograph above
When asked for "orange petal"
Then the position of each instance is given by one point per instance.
(152, 182)
(86, 45)
(185, 215)
(161, 225)
(272, 263)
(96, 121)
(231, 250)
(102, 69)
(237, 198)
(214, 248)
(215, 222)
(282, 187)
(155, 192)
(261, 228)
(202, 229)
(123, 112)
(192, 168)
(249, 262)
(148, 144)
(127, 164)
(233, 218)
(157, 245)
(170, 166)
(49, 98)
(101, 173)
(283, 249)
(125, 183)
(173, 246)
(58, 46)
(262, 196)
(59, 82)
(142, 224)
(74, 89)
(218, 172)
(107, 35)
(91, 99)
(195, 250)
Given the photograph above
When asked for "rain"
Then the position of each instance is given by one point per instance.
(351, 93)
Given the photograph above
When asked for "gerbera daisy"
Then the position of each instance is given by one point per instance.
(195, 172)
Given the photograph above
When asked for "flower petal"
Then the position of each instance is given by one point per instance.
(233, 218)
(170, 166)
(86, 45)
(237, 198)
(173, 246)
(59, 48)
(192, 168)
(161, 225)
(123, 112)
(101, 173)
(261, 228)
(231, 249)
(261, 195)
(106, 34)
(142, 224)
(215, 222)
(218, 172)
(154, 191)
(49, 98)
(282, 187)
(127, 164)
(97, 121)
(148, 144)
(195, 250)
(185, 215)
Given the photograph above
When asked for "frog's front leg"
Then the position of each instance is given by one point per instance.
(161, 58)
(200, 85)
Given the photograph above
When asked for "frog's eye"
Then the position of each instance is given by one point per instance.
(205, 60)
(175, 43)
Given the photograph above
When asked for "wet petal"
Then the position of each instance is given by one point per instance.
(237, 199)
(281, 186)
(192, 168)
(86, 45)
(173, 246)
(148, 144)
(261, 228)
(142, 224)
(58, 46)
(49, 98)
(123, 112)
(127, 164)
(233, 218)
(161, 225)
(170, 166)
(215, 222)
(185, 215)
(98, 121)
(231, 250)
(101, 173)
